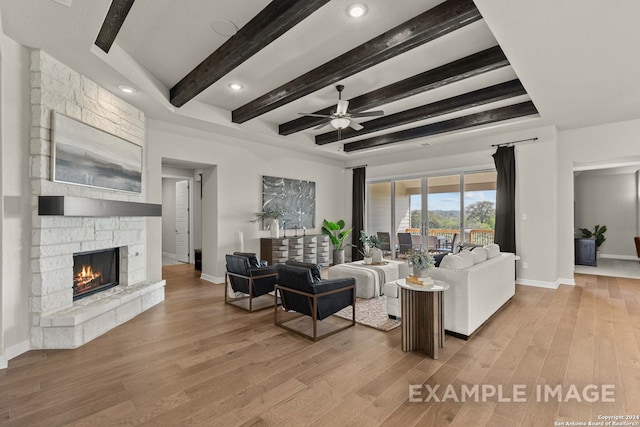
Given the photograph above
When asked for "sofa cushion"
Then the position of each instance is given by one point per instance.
(493, 250)
(456, 262)
(479, 255)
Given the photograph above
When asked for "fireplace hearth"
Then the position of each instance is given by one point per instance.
(95, 271)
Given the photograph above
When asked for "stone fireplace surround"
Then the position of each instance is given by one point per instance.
(56, 320)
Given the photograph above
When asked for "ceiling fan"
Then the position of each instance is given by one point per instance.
(341, 119)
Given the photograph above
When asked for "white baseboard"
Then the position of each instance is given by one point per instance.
(537, 283)
(565, 281)
(168, 255)
(212, 279)
(621, 257)
(14, 351)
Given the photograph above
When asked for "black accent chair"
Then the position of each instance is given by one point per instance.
(307, 296)
(247, 275)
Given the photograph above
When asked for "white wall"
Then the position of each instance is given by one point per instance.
(232, 190)
(16, 218)
(608, 197)
(614, 142)
(537, 198)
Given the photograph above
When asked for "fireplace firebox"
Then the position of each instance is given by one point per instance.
(95, 271)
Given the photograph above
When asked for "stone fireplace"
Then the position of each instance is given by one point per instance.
(61, 243)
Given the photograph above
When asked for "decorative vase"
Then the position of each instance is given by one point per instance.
(377, 256)
(368, 260)
(275, 228)
(416, 271)
(338, 257)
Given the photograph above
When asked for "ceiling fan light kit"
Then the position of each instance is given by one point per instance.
(341, 118)
(340, 122)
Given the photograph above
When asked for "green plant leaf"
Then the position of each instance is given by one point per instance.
(341, 224)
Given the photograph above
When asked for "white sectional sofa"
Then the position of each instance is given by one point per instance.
(475, 292)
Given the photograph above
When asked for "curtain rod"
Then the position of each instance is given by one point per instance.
(356, 167)
(504, 144)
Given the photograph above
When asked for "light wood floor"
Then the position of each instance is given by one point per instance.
(194, 360)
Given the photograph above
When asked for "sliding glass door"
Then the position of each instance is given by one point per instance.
(480, 207)
(437, 213)
(444, 202)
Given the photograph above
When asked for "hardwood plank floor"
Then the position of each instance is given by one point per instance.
(194, 360)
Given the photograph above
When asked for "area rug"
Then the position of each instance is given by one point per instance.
(371, 312)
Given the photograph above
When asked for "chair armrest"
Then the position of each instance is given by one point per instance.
(331, 285)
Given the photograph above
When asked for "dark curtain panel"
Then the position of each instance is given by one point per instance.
(505, 161)
(359, 175)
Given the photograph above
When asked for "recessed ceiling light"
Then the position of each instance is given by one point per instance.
(224, 28)
(126, 89)
(235, 86)
(357, 10)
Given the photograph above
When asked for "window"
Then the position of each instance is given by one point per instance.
(452, 209)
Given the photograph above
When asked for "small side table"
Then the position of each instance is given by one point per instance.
(422, 316)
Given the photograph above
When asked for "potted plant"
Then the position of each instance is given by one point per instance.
(369, 244)
(597, 234)
(420, 261)
(269, 217)
(337, 234)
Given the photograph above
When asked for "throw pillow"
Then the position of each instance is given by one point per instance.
(493, 250)
(467, 255)
(479, 255)
(456, 262)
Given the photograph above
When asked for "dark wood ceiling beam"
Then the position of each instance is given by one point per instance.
(464, 68)
(436, 22)
(478, 119)
(272, 22)
(465, 101)
(116, 15)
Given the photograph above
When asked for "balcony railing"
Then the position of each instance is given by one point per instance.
(475, 236)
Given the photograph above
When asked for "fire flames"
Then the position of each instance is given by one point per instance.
(86, 276)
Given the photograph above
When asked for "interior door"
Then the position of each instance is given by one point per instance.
(182, 221)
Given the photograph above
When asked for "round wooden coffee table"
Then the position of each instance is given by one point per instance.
(422, 316)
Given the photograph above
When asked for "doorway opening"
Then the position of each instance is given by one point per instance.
(607, 194)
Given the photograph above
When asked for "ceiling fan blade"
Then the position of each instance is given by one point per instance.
(373, 113)
(341, 109)
(355, 126)
(322, 125)
(326, 116)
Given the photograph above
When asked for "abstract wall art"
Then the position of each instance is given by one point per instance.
(295, 198)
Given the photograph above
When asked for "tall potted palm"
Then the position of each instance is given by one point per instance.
(337, 234)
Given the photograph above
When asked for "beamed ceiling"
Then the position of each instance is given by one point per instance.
(434, 67)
